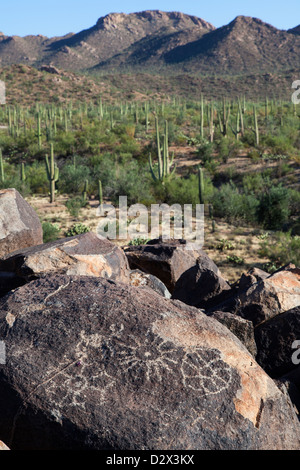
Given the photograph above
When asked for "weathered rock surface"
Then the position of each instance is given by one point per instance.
(253, 276)
(202, 285)
(166, 260)
(275, 339)
(20, 226)
(92, 364)
(290, 384)
(269, 297)
(241, 328)
(140, 279)
(85, 255)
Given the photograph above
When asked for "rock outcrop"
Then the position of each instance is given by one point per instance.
(278, 343)
(95, 364)
(271, 296)
(167, 260)
(20, 226)
(85, 255)
(202, 285)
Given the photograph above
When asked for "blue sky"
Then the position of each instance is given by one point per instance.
(59, 17)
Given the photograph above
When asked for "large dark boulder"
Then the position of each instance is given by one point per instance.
(202, 285)
(166, 260)
(20, 226)
(275, 339)
(92, 364)
(241, 328)
(271, 296)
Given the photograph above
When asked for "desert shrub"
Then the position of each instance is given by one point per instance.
(77, 229)
(281, 249)
(231, 204)
(279, 144)
(205, 151)
(65, 143)
(50, 232)
(133, 181)
(72, 178)
(182, 191)
(273, 211)
(36, 178)
(74, 205)
(255, 183)
(13, 180)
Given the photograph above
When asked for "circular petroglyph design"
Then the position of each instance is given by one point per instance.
(142, 358)
(151, 358)
(204, 371)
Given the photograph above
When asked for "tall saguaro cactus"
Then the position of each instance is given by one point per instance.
(39, 132)
(164, 160)
(223, 120)
(52, 173)
(255, 128)
(2, 178)
(201, 185)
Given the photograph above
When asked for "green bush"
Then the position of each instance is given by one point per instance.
(74, 205)
(182, 191)
(273, 211)
(205, 151)
(50, 232)
(72, 178)
(281, 249)
(231, 204)
(77, 229)
(36, 178)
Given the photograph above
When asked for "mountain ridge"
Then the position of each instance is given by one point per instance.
(161, 42)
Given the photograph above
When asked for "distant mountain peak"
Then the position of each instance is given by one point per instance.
(113, 20)
(162, 42)
(249, 21)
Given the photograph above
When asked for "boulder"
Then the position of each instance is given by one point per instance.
(97, 365)
(290, 384)
(275, 339)
(253, 276)
(202, 285)
(271, 296)
(166, 260)
(139, 278)
(85, 255)
(20, 226)
(241, 328)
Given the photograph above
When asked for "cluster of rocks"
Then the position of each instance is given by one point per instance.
(143, 347)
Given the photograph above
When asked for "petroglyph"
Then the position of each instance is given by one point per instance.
(152, 358)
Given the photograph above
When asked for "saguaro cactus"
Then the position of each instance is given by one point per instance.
(100, 193)
(255, 128)
(39, 132)
(223, 121)
(201, 185)
(52, 173)
(2, 178)
(85, 190)
(22, 172)
(164, 160)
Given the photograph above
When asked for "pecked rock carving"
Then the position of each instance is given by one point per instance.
(95, 364)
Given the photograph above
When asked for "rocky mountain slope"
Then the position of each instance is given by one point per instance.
(159, 41)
